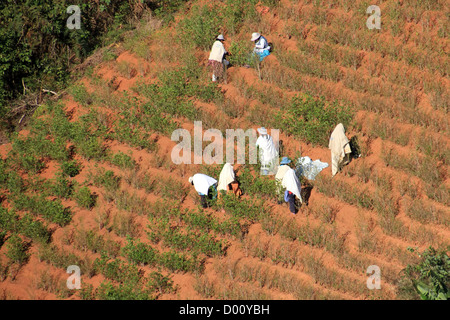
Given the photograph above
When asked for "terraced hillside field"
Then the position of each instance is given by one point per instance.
(90, 181)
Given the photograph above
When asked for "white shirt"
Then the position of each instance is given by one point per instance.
(217, 51)
(202, 182)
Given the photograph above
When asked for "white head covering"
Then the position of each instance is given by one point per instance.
(220, 37)
(202, 182)
(255, 36)
(226, 176)
(291, 183)
(281, 172)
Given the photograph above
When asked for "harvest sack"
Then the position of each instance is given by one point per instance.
(308, 168)
(263, 54)
(339, 146)
(262, 48)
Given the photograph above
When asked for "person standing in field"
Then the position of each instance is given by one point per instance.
(268, 152)
(262, 48)
(217, 59)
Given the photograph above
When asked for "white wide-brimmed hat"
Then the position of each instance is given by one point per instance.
(262, 130)
(255, 36)
(220, 37)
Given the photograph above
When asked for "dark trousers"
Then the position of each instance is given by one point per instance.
(203, 201)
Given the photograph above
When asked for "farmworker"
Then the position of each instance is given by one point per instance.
(205, 186)
(340, 149)
(262, 48)
(293, 188)
(227, 181)
(217, 59)
(268, 153)
(282, 169)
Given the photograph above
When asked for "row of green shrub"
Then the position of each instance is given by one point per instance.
(25, 225)
(313, 119)
(192, 241)
(172, 94)
(142, 253)
(125, 281)
(51, 210)
(157, 284)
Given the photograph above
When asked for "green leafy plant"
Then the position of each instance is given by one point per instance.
(53, 284)
(241, 52)
(85, 198)
(80, 94)
(429, 279)
(123, 160)
(34, 229)
(119, 271)
(71, 168)
(128, 291)
(313, 119)
(105, 178)
(52, 210)
(25, 225)
(17, 250)
(159, 282)
(139, 252)
(87, 292)
(175, 261)
(62, 187)
(250, 209)
(200, 27)
(15, 183)
(61, 259)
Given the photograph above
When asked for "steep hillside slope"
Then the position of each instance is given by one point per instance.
(91, 182)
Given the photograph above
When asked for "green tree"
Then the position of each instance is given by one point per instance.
(37, 49)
